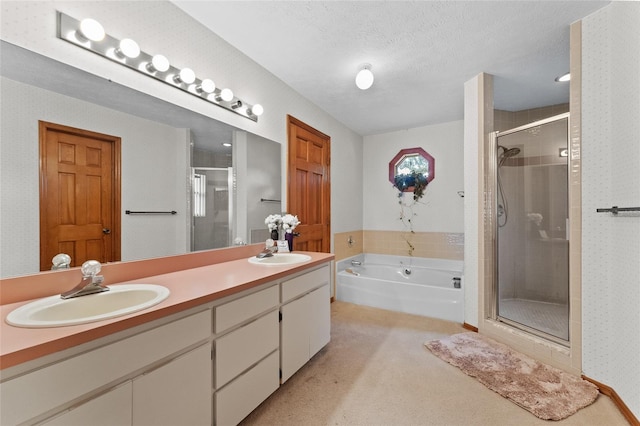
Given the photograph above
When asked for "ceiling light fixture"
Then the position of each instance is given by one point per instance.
(90, 35)
(563, 78)
(364, 78)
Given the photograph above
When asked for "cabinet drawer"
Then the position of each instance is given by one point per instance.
(238, 350)
(239, 310)
(243, 395)
(177, 393)
(304, 283)
(111, 408)
(41, 390)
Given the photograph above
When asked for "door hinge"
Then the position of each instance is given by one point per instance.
(280, 373)
(279, 316)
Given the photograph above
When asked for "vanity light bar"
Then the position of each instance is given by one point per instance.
(156, 66)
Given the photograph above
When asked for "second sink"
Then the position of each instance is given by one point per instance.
(280, 259)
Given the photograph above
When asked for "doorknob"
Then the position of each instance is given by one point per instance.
(106, 230)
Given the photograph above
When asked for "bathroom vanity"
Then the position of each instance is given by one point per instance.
(224, 340)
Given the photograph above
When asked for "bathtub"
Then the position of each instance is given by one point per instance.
(417, 286)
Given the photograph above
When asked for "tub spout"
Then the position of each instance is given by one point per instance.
(351, 271)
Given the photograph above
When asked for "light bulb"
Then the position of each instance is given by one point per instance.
(91, 29)
(226, 95)
(206, 86)
(364, 78)
(257, 110)
(158, 63)
(128, 48)
(186, 76)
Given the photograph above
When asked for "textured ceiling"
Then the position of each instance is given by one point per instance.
(421, 52)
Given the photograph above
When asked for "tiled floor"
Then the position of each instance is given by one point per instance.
(550, 318)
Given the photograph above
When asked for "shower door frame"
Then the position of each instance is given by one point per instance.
(493, 170)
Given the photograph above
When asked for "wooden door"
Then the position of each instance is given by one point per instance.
(79, 195)
(309, 187)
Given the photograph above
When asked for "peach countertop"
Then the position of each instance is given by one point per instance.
(189, 288)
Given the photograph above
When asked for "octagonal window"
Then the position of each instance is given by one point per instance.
(407, 164)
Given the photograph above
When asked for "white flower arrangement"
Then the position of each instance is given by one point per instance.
(288, 222)
(273, 221)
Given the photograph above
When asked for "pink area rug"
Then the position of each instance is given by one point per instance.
(545, 391)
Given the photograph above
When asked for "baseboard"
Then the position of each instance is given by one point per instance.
(469, 327)
(608, 391)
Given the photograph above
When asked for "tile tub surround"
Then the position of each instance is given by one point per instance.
(438, 245)
(341, 247)
(193, 279)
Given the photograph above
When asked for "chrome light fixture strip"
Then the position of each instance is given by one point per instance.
(69, 28)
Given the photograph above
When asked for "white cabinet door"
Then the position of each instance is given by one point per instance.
(177, 393)
(110, 409)
(304, 330)
(294, 336)
(320, 316)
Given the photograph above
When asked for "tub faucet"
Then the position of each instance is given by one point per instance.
(91, 282)
(356, 263)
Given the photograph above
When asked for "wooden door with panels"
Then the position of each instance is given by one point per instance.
(79, 195)
(309, 185)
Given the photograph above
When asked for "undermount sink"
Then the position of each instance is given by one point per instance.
(280, 259)
(56, 312)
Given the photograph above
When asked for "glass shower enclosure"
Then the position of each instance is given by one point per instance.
(212, 207)
(532, 227)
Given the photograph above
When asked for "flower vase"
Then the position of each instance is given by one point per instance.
(289, 237)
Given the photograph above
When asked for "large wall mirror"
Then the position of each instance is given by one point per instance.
(165, 149)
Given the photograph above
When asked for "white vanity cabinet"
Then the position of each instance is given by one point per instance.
(78, 387)
(306, 319)
(246, 354)
(212, 364)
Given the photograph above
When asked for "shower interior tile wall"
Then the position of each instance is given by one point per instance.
(505, 120)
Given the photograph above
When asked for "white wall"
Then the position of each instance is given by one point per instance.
(442, 210)
(610, 169)
(161, 27)
(472, 241)
(149, 182)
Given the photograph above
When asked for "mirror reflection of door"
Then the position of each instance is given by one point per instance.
(309, 188)
(79, 195)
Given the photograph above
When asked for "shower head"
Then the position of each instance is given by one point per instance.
(509, 152)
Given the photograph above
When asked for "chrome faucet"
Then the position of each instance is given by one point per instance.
(267, 252)
(91, 282)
